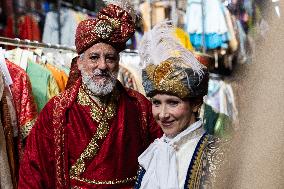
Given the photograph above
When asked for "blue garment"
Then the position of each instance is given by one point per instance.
(212, 24)
(212, 40)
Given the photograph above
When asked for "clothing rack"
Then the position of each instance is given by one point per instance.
(130, 52)
(32, 44)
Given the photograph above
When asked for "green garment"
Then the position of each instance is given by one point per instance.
(66, 70)
(43, 84)
(215, 123)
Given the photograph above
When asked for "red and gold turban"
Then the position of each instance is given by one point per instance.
(113, 25)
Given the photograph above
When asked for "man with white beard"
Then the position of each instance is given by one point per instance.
(91, 135)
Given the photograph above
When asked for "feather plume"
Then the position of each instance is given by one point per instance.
(160, 43)
(125, 5)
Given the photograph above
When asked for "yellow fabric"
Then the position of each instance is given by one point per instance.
(183, 38)
(59, 76)
(52, 88)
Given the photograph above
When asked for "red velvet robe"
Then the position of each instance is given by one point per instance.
(65, 127)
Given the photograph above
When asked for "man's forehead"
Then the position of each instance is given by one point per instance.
(102, 48)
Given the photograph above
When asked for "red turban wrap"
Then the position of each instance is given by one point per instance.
(113, 25)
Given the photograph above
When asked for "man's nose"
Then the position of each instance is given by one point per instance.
(102, 64)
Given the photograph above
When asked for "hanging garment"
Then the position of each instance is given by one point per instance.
(19, 57)
(5, 175)
(9, 30)
(126, 78)
(9, 138)
(145, 10)
(59, 76)
(215, 28)
(28, 28)
(23, 99)
(221, 98)
(219, 109)
(44, 86)
(131, 61)
(68, 28)
(230, 20)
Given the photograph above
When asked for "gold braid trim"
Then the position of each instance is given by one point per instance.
(116, 181)
(196, 171)
(102, 119)
(27, 127)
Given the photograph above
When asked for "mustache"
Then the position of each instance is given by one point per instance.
(104, 73)
(98, 72)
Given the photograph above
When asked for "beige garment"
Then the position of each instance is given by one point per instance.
(5, 175)
(145, 11)
(233, 43)
(1, 85)
(154, 14)
(258, 148)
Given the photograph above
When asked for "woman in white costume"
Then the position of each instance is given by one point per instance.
(184, 157)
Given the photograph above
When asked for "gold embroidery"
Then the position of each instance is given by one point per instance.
(167, 78)
(102, 130)
(116, 181)
(195, 172)
(61, 102)
(25, 129)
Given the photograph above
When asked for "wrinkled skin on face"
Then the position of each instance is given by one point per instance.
(99, 68)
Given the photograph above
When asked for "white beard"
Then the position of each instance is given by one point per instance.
(102, 87)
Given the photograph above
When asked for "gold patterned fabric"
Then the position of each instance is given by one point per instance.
(206, 162)
(101, 115)
(171, 77)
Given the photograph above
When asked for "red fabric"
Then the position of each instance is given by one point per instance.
(23, 99)
(46, 164)
(91, 31)
(28, 28)
(9, 30)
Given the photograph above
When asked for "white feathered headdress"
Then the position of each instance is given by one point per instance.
(168, 67)
(160, 43)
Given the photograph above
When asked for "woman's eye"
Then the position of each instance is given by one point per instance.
(173, 102)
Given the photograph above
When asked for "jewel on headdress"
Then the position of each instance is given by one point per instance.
(115, 23)
(103, 29)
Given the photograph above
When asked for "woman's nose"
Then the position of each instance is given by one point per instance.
(164, 114)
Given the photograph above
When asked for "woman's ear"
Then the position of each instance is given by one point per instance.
(196, 107)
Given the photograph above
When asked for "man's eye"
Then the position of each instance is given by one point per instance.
(94, 57)
(111, 59)
(155, 102)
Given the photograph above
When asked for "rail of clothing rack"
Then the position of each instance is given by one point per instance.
(32, 44)
(130, 51)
